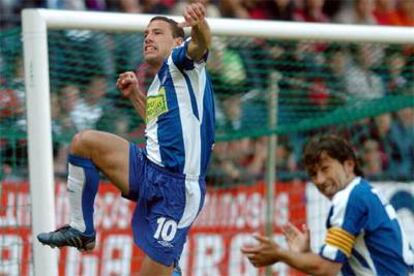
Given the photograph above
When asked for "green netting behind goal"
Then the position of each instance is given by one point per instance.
(312, 86)
(318, 84)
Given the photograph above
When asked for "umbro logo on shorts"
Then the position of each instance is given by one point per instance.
(165, 244)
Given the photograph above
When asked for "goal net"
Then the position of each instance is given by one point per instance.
(272, 80)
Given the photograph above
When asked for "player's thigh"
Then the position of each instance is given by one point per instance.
(150, 267)
(109, 152)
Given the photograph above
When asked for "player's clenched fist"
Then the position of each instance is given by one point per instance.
(127, 83)
(193, 14)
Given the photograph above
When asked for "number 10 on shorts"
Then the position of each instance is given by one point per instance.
(166, 229)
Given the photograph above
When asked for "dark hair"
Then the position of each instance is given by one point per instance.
(336, 147)
(176, 31)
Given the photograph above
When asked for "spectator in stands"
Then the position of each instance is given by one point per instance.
(240, 161)
(142, 6)
(228, 74)
(255, 158)
(212, 9)
(128, 6)
(8, 14)
(396, 140)
(63, 103)
(318, 93)
(157, 7)
(12, 94)
(306, 81)
(10, 11)
(78, 5)
(231, 106)
(332, 7)
(244, 9)
(394, 75)
(372, 160)
(382, 126)
(385, 12)
(362, 12)
(11, 107)
(89, 108)
(223, 169)
(360, 80)
(359, 131)
(69, 97)
(402, 135)
(312, 11)
(409, 90)
(251, 53)
(380, 132)
(285, 160)
(406, 12)
(280, 10)
(60, 146)
(13, 157)
(10, 173)
(337, 61)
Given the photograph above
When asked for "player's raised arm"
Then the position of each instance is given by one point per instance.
(194, 16)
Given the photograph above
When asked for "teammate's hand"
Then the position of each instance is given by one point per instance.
(193, 15)
(127, 83)
(263, 254)
(298, 241)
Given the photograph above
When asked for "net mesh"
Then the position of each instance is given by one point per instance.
(319, 85)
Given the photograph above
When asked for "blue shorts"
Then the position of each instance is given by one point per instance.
(167, 205)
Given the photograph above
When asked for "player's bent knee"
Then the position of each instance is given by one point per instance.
(82, 143)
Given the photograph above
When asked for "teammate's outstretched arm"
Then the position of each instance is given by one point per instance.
(194, 16)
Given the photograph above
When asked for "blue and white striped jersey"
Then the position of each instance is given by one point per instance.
(365, 235)
(180, 115)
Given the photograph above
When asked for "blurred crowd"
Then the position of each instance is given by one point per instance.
(317, 76)
(382, 12)
(384, 144)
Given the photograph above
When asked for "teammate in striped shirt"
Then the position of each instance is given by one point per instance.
(364, 235)
(167, 177)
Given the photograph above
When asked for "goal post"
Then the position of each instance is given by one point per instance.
(39, 132)
(37, 22)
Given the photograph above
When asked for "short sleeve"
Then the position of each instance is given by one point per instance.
(182, 60)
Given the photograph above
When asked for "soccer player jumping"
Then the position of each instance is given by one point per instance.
(167, 177)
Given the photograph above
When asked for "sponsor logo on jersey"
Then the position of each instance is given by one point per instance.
(156, 105)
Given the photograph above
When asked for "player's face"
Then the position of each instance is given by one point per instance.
(330, 176)
(158, 42)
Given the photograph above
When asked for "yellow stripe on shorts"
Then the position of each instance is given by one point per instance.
(340, 239)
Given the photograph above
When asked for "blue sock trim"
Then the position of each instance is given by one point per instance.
(90, 189)
(81, 161)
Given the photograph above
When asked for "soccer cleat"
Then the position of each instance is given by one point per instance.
(68, 236)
